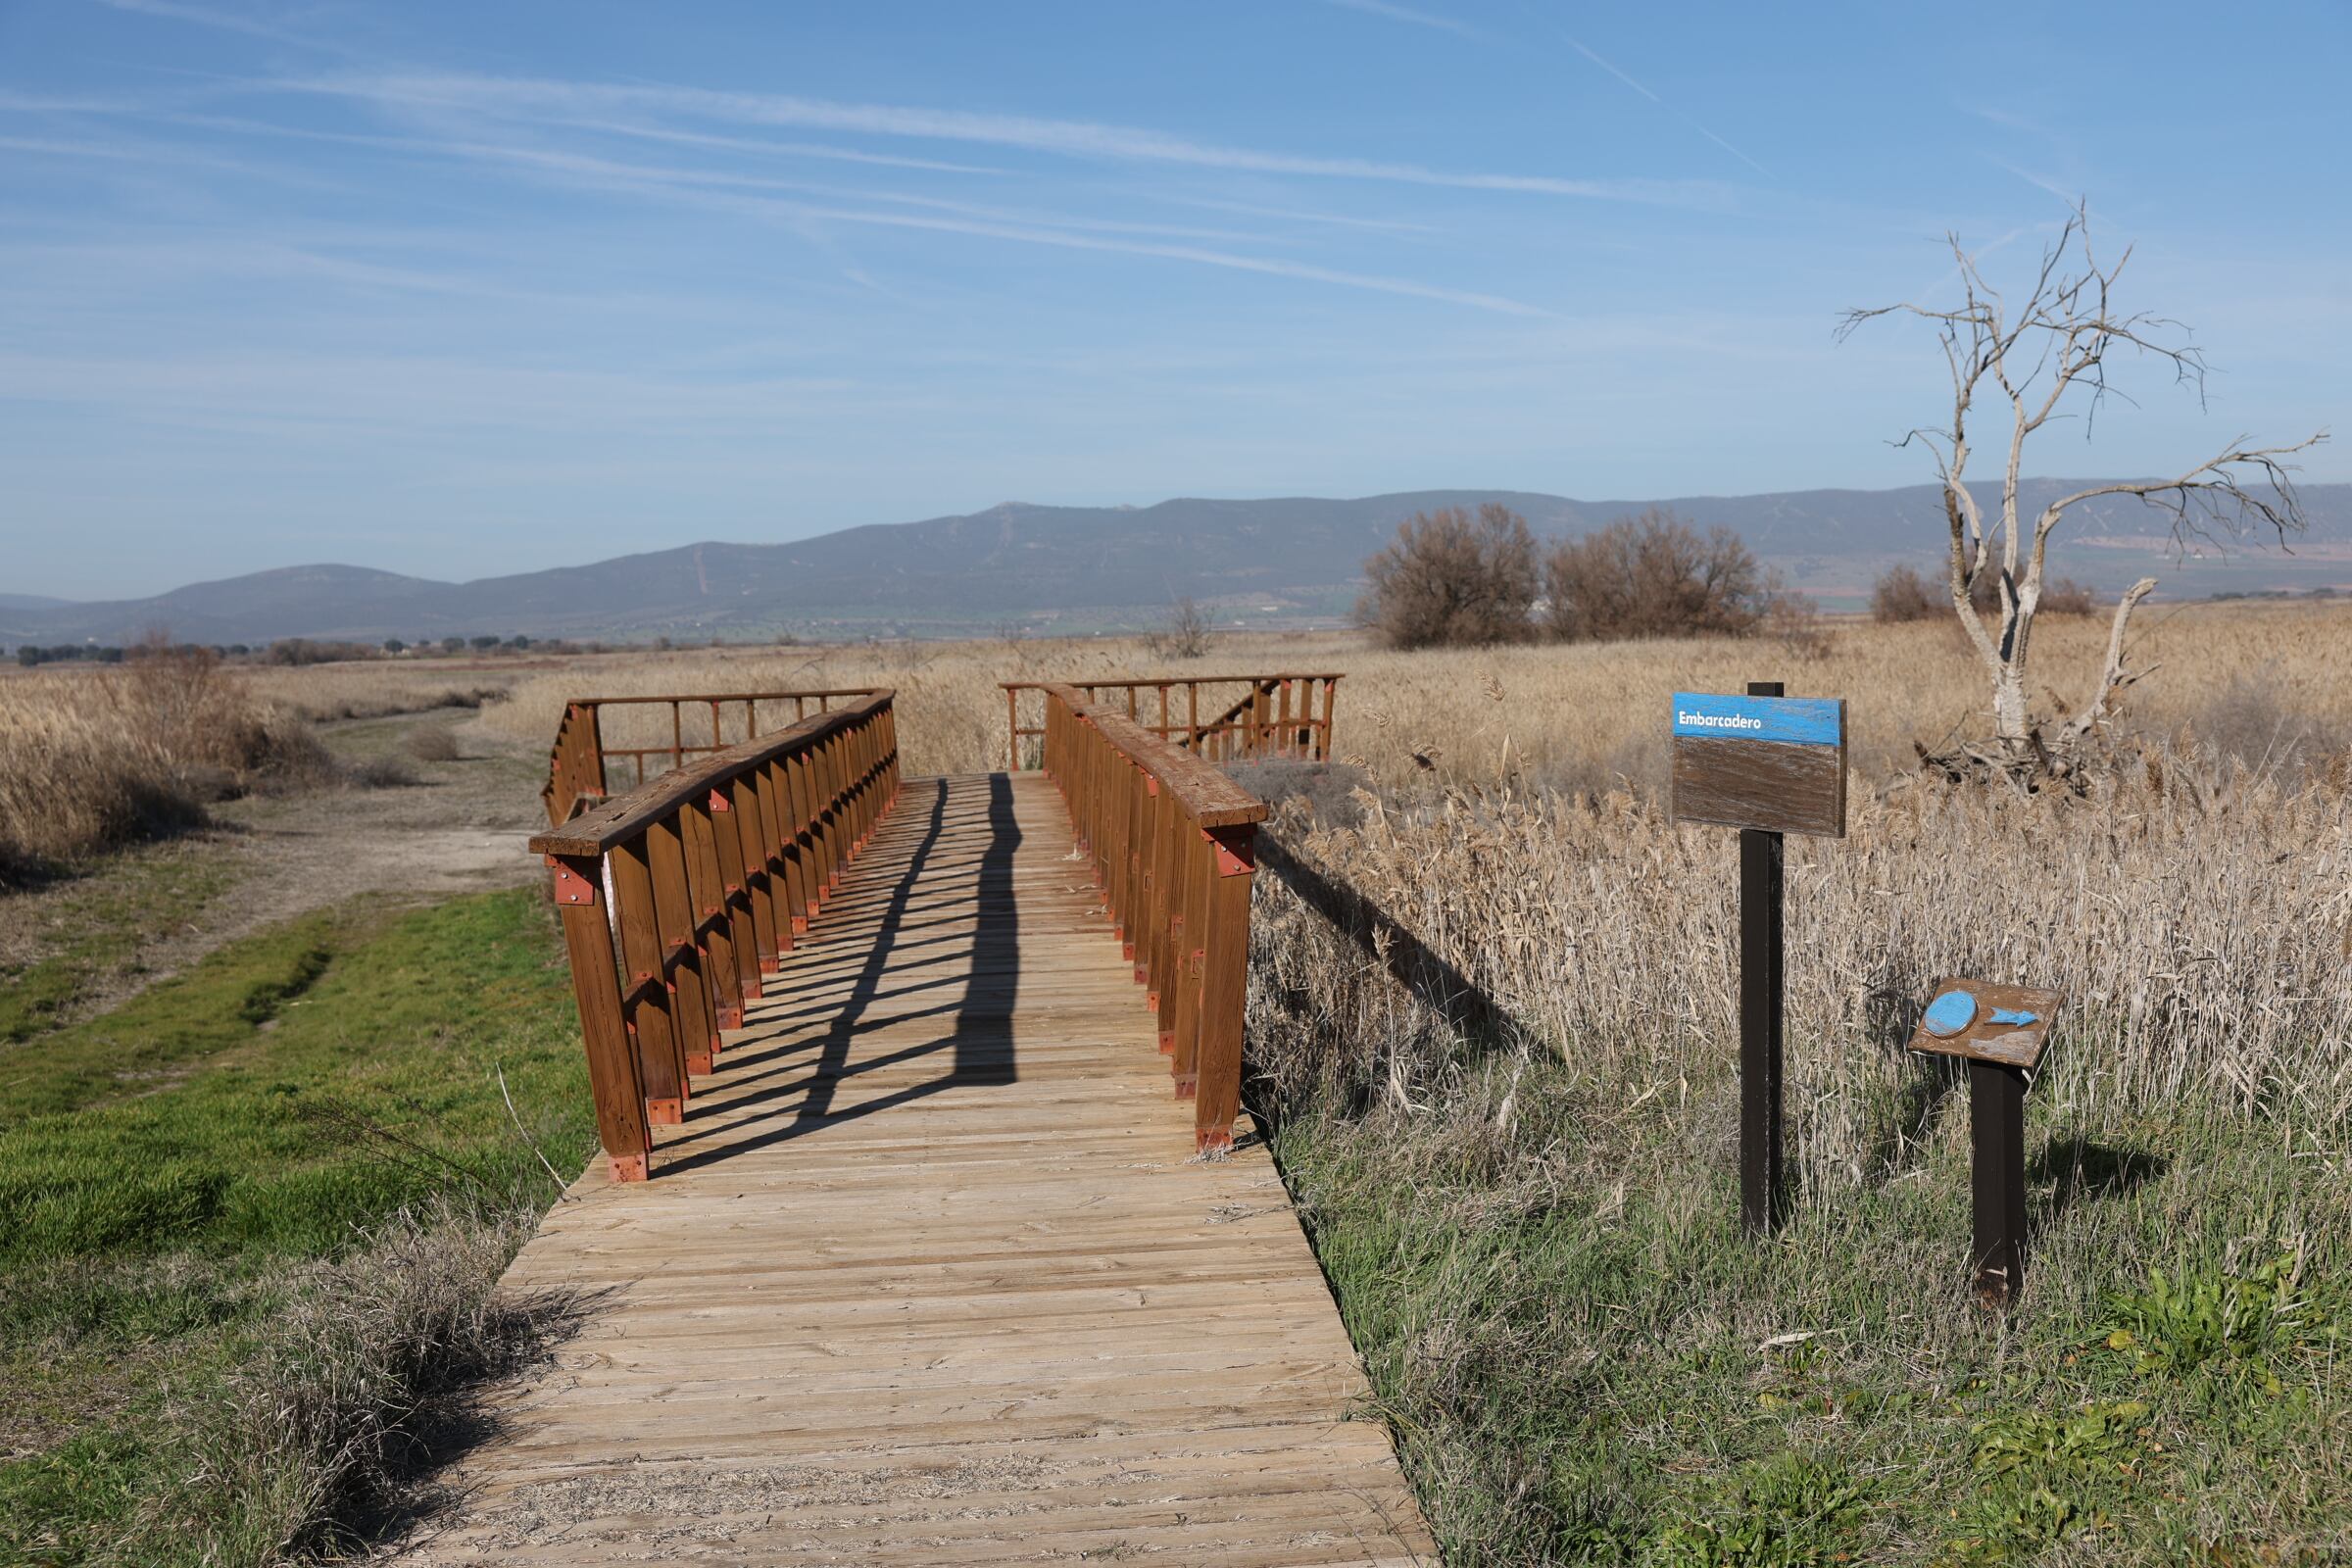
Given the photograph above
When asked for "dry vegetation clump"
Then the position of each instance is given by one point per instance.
(92, 759)
(75, 775)
(362, 1371)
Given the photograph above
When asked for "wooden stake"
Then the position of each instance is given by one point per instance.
(1762, 1200)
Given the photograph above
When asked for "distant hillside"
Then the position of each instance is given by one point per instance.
(1081, 569)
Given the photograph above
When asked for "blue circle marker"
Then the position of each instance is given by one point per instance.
(1951, 1012)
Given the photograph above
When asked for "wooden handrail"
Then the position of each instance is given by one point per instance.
(578, 764)
(1277, 714)
(1174, 846)
(678, 897)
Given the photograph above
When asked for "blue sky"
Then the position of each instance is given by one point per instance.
(462, 289)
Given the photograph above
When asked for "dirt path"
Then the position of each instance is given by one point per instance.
(457, 828)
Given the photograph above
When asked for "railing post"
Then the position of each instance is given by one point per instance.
(1146, 875)
(715, 914)
(613, 1080)
(754, 831)
(1172, 974)
(1224, 987)
(750, 938)
(660, 1058)
(681, 957)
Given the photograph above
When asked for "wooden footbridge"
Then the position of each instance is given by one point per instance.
(924, 1234)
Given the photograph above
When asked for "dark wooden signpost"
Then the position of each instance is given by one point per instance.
(2000, 1032)
(1766, 764)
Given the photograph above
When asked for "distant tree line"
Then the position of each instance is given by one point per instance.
(1904, 593)
(299, 650)
(1455, 579)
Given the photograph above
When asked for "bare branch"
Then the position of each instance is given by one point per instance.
(2113, 677)
(2215, 492)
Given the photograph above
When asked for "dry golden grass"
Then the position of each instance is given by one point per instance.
(89, 760)
(1575, 717)
(2199, 923)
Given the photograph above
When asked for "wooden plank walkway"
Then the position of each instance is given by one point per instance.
(930, 1276)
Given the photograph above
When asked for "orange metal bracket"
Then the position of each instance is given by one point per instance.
(1236, 847)
(574, 886)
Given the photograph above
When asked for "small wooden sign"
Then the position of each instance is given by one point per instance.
(2009, 1025)
(1771, 762)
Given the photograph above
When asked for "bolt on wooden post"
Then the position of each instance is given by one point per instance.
(1767, 765)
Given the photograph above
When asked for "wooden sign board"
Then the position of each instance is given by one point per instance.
(1771, 762)
(2009, 1025)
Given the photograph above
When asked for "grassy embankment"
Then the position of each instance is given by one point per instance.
(249, 1222)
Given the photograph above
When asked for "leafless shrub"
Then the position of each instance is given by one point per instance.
(1453, 582)
(385, 772)
(435, 743)
(1185, 634)
(1902, 593)
(371, 1358)
(2067, 597)
(1795, 621)
(1655, 575)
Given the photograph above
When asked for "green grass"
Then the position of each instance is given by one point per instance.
(1585, 1361)
(179, 1177)
(115, 912)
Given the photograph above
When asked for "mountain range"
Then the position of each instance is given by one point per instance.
(1279, 561)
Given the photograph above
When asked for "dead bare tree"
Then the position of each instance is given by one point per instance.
(1185, 634)
(2049, 361)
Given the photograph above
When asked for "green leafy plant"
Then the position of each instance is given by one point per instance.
(2103, 1437)
(2016, 1531)
(2244, 1321)
(1785, 1512)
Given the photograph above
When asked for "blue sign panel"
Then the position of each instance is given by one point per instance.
(1796, 720)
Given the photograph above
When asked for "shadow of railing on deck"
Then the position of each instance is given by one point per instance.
(980, 1039)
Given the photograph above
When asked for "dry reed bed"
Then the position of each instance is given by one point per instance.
(1575, 717)
(2200, 927)
(90, 760)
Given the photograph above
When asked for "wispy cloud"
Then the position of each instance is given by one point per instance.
(523, 97)
(732, 191)
(1418, 19)
(1684, 116)
(201, 16)
(2064, 192)
(1297, 215)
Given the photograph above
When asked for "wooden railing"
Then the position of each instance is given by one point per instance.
(578, 764)
(1173, 843)
(678, 895)
(1285, 715)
